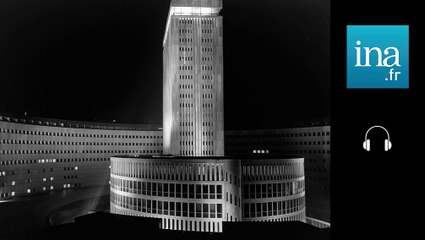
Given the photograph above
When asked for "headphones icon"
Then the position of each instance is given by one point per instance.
(366, 143)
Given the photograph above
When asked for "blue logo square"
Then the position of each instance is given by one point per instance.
(377, 56)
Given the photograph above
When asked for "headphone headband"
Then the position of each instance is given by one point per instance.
(376, 126)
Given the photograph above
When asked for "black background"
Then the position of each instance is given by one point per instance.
(98, 60)
(375, 194)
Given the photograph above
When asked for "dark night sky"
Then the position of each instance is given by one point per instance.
(87, 59)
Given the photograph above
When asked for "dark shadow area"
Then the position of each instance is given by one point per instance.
(111, 226)
(24, 215)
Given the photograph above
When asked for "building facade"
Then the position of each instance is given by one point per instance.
(47, 154)
(312, 142)
(200, 193)
(193, 79)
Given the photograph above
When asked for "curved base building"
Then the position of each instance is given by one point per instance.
(200, 193)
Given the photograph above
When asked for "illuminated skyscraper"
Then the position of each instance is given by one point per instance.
(193, 79)
(194, 187)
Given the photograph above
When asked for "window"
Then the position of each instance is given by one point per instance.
(198, 191)
(184, 193)
(172, 190)
(205, 191)
(192, 191)
(178, 190)
(198, 210)
(172, 208)
(191, 210)
(205, 210)
(219, 192)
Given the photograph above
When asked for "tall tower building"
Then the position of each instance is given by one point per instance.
(193, 79)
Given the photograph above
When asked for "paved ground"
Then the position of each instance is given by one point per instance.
(42, 210)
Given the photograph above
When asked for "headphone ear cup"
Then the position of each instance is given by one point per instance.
(366, 145)
(387, 145)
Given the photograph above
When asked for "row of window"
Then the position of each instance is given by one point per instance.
(187, 191)
(77, 151)
(206, 31)
(178, 209)
(186, 105)
(208, 134)
(276, 135)
(206, 40)
(185, 22)
(279, 143)
(35, 161)
(267, 209)
(174, 171)
(186, 124)
(185, 49)
(185, 95)
(275, 151)
(183, 67)
(185, 77)
(79, 143)
(207, 77)
(182, 30)
(70, 177)
(272, 190)
(207, 143)
(206, 59)
(208, 124)
(191, 152)
(207, 49)
(61, 134)
(277, 171)
(207, 22)
(190, 77)
(185, 40)
(207, 67)
(185, 86)
(207, 86)
(34, 190)
(207, 105)
(186, 133)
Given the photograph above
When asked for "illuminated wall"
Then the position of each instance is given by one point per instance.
(193, 79)
(200, 193)
(43, 155)
(312, 143)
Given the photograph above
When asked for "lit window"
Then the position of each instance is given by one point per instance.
(52, 178)
(76, 168)
(44, 188)
(13, 183)
(69, 185)
(51, 187)
(64, 186)
(44, 179)
(13, 193)
(28, 190)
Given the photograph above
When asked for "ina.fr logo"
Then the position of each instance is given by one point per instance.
(377, 56)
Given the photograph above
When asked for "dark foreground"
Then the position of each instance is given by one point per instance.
(110, 226)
